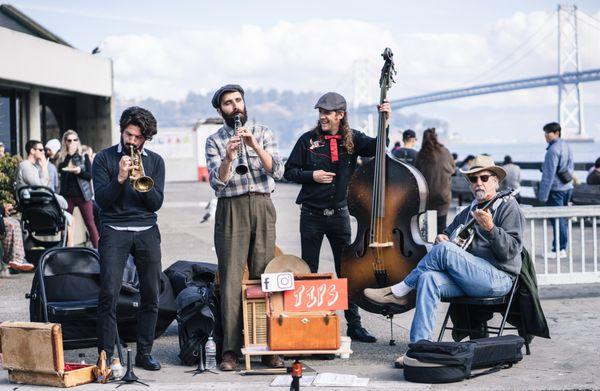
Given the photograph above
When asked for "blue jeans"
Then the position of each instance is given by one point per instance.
(559, 198)
(449, 271)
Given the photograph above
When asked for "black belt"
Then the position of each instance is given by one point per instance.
(324, 212)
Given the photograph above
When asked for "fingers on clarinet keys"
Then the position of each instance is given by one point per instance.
(147, 362)
(385, 297)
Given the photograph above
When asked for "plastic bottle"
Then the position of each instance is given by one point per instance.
(82, 358)
(210, 351)
(117, 369)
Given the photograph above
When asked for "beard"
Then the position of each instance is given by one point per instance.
(230, 118)
(479, 195)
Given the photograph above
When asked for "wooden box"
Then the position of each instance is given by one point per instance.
(310, 330)
(304, 331)
(33, 354)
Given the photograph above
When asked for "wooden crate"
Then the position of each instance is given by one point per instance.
(33, 354)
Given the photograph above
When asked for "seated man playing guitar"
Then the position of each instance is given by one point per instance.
(485, 267)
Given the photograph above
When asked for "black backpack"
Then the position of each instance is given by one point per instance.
(196, 318)
(446, 362)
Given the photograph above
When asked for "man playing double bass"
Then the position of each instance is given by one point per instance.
(487, 268)
(322, 161)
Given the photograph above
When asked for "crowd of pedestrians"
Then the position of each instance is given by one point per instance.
(63, 167)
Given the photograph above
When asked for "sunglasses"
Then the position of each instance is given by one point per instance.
(70, 140)
(484, 178)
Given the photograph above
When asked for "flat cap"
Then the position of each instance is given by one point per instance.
(216, 99)
(331, 101)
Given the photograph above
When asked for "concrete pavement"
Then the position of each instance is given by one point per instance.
(570, 360)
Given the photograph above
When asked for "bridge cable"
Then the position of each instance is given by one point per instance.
(521, 46)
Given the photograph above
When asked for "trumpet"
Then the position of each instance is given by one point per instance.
(143, 183)
(241, 167)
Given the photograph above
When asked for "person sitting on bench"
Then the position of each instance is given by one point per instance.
(487, 268)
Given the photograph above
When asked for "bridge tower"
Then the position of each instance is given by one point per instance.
(570, 110)
(362, 95)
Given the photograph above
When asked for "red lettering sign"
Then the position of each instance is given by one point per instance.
(317, 295)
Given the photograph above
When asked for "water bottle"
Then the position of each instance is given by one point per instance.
(210, 352)
(117, 369)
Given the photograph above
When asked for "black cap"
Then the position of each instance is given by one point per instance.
(408, 133)
(331, 101)
(216, 99)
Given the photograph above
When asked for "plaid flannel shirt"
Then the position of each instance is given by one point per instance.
(258, 179)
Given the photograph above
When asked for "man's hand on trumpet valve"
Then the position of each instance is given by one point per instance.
(125, 166)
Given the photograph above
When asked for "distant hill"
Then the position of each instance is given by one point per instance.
(286, 112)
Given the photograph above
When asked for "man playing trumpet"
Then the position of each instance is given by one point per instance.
(128, 226)
(245, 216)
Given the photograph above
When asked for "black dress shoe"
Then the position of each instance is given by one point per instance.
(147, 362)
(358, 333)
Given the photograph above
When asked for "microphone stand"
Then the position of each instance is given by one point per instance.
(201, 368)
(129, 376)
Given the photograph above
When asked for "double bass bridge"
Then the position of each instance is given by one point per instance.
(381, 244)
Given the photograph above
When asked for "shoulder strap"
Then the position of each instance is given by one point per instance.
(493, 369)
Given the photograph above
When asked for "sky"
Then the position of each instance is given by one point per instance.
(166, 49)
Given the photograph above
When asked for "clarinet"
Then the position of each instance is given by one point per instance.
(241, 166)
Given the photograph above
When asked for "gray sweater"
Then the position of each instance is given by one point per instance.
(503, 244)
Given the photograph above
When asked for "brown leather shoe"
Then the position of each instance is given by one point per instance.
(229, 362)
(274, 361)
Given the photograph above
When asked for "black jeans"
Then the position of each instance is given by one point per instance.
(313, 226)
(114, 248)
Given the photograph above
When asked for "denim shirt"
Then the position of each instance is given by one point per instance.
(559, 157)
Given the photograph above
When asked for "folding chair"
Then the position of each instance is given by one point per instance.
(507, 300)
(65, 290)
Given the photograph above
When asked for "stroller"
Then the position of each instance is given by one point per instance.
(42, 220)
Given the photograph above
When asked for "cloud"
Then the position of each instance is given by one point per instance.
(319, 54)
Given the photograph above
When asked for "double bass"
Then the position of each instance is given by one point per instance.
(386, 196)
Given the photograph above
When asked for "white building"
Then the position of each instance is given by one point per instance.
(48, 87)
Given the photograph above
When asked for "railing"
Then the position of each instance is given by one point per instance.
(580, 265)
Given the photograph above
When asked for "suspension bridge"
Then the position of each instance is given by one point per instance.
(569, 77)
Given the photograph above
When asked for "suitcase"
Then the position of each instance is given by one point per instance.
(316, 330)
(33, 354)
(304, 331)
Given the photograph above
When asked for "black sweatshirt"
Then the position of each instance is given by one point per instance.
(69, 186)
(120, 204)
(311, 154)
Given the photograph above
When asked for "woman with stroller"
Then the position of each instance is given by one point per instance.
(75, 181)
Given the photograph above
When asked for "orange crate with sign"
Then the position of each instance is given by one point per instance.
(305, 318)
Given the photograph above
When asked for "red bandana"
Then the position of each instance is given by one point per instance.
(333, 146)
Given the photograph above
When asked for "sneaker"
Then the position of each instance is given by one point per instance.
(22, 266)
(5, 273)
(552, 254)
